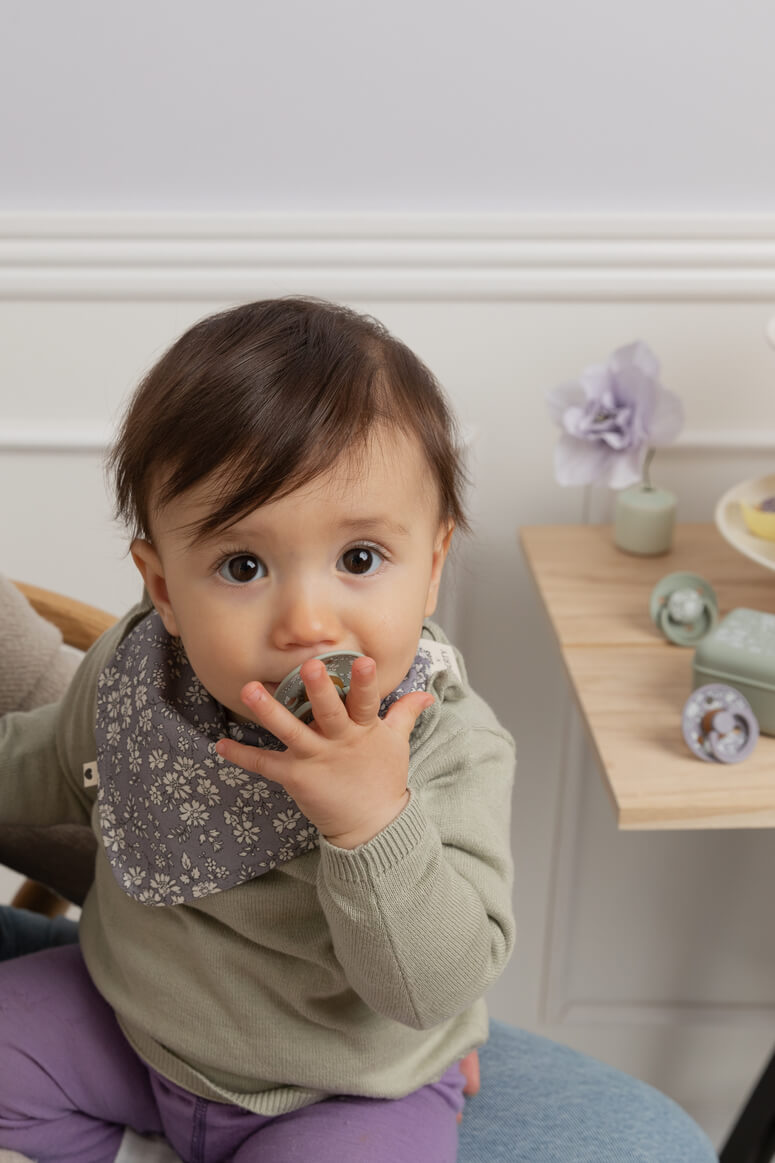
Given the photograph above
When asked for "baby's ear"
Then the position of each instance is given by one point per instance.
(150, 566)
(440, 551)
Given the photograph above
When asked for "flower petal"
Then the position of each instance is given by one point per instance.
(574, 421)
(598, 383)
(636, 370)
(638, 355)
(565, 396)
(639, 392)
(619, 438)
(579, 462)
(667, 419)
(627, 468)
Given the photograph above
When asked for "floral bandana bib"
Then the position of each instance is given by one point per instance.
(178, 821)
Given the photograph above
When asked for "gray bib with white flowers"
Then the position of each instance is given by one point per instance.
(178, 822)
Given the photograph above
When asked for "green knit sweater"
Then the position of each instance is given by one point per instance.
(341, 972)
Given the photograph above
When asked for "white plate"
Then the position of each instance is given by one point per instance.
(730, 524)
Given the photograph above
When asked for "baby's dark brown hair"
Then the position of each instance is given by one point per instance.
(263, 398)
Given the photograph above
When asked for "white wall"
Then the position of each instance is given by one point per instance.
(646, 950)
(184, 107)
(407, 105)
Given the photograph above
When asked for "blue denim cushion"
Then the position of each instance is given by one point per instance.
(541, 1102)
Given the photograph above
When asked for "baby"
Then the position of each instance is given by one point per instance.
(293, 920)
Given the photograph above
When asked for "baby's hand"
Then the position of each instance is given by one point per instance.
(347, 771)
(469, 1068)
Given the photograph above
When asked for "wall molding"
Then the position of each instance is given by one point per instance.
(29, 436)
(557, 1005)
(483, 257)
(732, 440)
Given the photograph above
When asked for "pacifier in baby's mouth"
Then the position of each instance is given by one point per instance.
(293, 694)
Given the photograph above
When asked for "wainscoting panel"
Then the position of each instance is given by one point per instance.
(651, 951)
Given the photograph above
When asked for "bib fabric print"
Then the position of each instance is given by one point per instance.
(178, 822)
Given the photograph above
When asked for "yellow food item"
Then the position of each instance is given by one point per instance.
(758, 521)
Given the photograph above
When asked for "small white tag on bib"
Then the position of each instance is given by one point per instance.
(91, 777)
(442, 656)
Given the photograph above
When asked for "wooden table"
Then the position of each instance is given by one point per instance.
(631, 684)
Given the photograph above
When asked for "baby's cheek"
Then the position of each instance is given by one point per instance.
(393, 673)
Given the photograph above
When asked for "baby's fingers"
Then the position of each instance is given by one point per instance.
(469, 1068)
(327, 710)
(269, 764)
(363, 698)
(267, 712)
(403, 715)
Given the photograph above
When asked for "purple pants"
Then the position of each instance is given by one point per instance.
(70, 1082)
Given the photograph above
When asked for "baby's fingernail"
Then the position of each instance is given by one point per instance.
(253, 693)
(221, 747)
(366, 669)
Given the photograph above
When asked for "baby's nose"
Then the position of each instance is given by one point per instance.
(306, 619)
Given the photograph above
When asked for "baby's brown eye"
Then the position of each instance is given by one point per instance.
(361, 559)
(243, 567)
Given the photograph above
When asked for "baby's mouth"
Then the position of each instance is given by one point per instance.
(292, 692)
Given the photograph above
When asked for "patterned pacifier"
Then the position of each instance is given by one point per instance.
(293, 694)
(685, 608)
(718, 724)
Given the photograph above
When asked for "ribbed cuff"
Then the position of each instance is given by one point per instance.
(382, 853)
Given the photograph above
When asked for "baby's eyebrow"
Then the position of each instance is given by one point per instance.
(365, 524)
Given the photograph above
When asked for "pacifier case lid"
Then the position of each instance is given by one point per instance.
(741, 652)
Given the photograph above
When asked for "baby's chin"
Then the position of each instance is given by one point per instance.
(240, 713)
(239, 717)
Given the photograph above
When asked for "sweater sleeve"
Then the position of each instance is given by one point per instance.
(35, 668)
(43, 751)
(421, 915)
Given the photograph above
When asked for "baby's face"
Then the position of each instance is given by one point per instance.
(347, 562)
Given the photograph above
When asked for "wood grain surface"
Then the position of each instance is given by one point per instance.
(631, 684)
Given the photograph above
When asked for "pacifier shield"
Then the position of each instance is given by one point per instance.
(293, 694)
(685, 608)
(718, 724)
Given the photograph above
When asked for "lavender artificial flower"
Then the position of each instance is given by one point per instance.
(610, 417)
